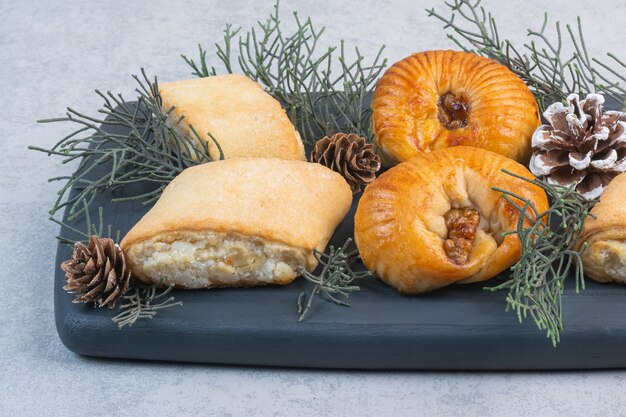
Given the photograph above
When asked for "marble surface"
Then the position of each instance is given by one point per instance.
(53, 54)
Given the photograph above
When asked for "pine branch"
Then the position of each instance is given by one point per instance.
(138, 303)
(548, 257)
(541, 63)
(299, 74)
(336, 279)
(149, 149)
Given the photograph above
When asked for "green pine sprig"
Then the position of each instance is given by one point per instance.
(549, 254)
(143, 302)
(542, 62)
(149, 148)
(97, 229)
(323, 90)
(336, 279)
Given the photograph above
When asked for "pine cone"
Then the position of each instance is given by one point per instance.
(582, 145)
(96, 273)
(350, 155)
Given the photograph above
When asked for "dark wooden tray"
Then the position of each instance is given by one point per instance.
(459, 327)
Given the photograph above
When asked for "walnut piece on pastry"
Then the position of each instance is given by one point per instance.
(604, 259)
(238, 222)
(244, 119)
(438, 99)
(435, 220)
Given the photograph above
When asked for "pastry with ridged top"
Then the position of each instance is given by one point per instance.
(438, 99)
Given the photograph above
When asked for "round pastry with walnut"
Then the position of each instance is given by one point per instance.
(435, 220)
(438, 99)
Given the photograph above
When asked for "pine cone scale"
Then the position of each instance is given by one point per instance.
(95, 278)
(90, 267)
(93, 293)
(111, 281)
(605, 160)
(578, 160)
(99, 257)
(114, 295)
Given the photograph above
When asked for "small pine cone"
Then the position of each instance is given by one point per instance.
(581, 145)
(350, 155)
(97, 273)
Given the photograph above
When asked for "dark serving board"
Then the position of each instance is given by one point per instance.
(459, 327)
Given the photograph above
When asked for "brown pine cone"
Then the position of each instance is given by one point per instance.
(582, 145)
(96, 273)
(350, 155)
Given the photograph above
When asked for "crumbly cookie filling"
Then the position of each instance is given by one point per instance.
(201, 259)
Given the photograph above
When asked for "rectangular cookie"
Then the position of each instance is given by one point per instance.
(238, 222)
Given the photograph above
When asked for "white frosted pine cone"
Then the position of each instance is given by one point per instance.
(582, 145)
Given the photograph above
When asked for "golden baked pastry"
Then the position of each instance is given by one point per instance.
(437, 99)
(238, 222)
(243, 118)
(435, 220)
(604, 260)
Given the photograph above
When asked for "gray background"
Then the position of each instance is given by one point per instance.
(53, 54)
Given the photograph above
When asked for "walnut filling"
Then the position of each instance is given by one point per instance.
(453, 111)
(461, 224)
